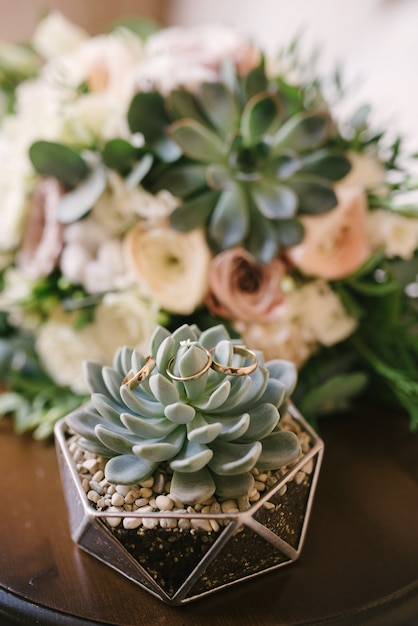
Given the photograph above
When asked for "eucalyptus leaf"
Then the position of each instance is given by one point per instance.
(59, 161)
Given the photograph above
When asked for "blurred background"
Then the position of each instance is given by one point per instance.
(375, 41)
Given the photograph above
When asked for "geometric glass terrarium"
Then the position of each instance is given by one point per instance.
(189, 469)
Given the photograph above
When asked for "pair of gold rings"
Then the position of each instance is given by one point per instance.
(133, 380)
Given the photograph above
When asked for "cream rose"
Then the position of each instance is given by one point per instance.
(396, 234)
(242, 289)
(121, 319)
(336, 243)
(172, 266)
(367, 170)
(56, 35)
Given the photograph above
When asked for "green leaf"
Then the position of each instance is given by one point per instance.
(147, 115)
(273, 200)
(143, 27)
(289, 232)
(191, 488)
(261, 116)
(196, 141)
(263, 419)
(120, 155)
(220, 107)
(315, 195)
(219, 176)
(284, 165)
(182, 180)
(327, 164)
(335, 394)
(183, 104)
(194, 213)
(61, 162)
(261, 241)
(303, 131)
(255, 82)
(279, 449)
(230, 221)
(159, 450)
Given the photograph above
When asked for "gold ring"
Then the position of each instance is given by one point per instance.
(133, 380)
(193, 376)
(228, 370)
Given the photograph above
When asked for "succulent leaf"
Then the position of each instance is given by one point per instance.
(274, 201)
(128, 469)
(230, 459)
(302, 132)
(192, 487)
(233, 486)
(229, 223)
(280, 447)
(261, 116)
(206, 425)
(220, 107)
(197, 141)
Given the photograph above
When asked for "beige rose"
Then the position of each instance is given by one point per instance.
(172, 266)
(121, 319)
(243, 289)
(367, 170)
(335, 243)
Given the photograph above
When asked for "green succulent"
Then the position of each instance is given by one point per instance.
(211, 430)
(249, 166)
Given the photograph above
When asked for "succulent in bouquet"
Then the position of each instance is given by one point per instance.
(159, 177)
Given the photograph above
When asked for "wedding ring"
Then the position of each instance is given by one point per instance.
(133, 380)
(193, 376)
(228, 370)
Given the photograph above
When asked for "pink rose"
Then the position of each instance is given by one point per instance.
(335, 243)
(43, 236)
(243, 289)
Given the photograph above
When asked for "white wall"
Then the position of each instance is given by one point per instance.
(376, 40)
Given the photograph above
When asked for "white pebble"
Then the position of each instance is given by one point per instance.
(98, 476)
(168, 522)
(97, 487)
(93, 496)
(308, 467)
(131, 522)
(90, 465)
(300, 477)
(150, 522)
(259, 485)
(201, 524)
(164, 503)
(148, 483)
(143, 502)
(145, 492)
(123, 490)
(184, 524)
(214, 525)
(117, 499)
(229, 506)
(269, 505)
(113, 521)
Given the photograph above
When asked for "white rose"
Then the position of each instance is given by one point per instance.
(13, 205)
(17, 288)
(56, 35)
(396, 234)
(172, 266)
(121, 319)
(322, 313)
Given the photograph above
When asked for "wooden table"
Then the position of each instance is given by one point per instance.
(359, 564)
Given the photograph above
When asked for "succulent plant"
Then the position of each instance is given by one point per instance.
(249, 164)
(211, 427)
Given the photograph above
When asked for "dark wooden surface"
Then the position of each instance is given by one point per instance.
(359, 564)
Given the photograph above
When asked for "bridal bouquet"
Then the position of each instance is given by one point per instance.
(158, 177)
